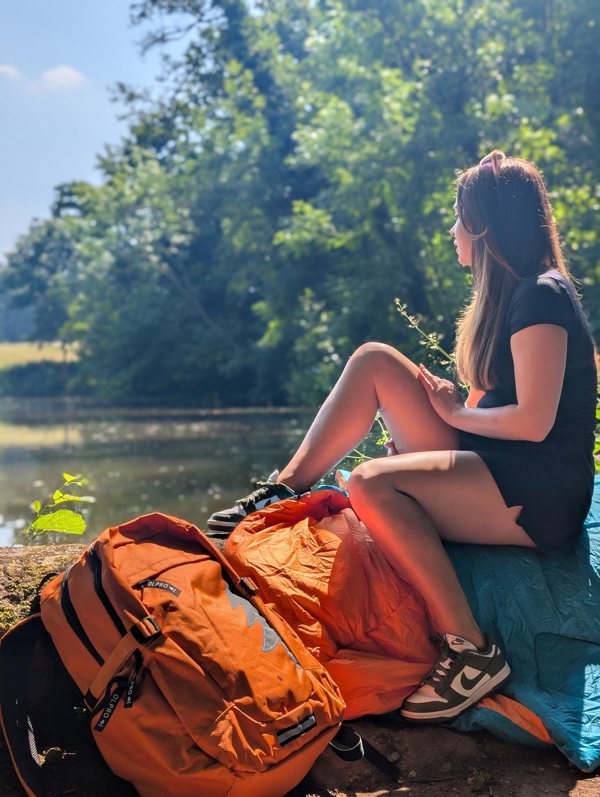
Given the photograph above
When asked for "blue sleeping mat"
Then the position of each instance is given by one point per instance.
(544, 609)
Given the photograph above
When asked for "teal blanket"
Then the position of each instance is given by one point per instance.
(544, 609)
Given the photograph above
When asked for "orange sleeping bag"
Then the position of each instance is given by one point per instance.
(314, 560)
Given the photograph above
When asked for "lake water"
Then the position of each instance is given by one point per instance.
(183, 462)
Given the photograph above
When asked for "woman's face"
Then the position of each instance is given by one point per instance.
(462, 242)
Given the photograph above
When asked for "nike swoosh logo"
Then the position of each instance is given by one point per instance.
(469, 683)
(465, 685)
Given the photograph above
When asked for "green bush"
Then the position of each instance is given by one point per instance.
(36, 380)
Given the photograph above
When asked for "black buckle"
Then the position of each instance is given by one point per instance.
(146, 630)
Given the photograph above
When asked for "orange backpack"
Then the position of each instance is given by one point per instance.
(192, 684)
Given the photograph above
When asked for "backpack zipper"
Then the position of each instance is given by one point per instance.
(73, 620)
(96, 566)
(120, 685)
(132, 681)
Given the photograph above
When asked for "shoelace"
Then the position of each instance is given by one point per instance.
(449, 659)
(441, 669)
(262, 489)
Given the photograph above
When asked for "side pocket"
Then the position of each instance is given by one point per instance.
(16, 651)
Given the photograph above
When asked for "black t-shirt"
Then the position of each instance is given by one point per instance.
(552, 480)
(551, 299)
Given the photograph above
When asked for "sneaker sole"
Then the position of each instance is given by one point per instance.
(222, 526)
(487, 688)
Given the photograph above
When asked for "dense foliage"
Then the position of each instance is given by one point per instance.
(295, 177)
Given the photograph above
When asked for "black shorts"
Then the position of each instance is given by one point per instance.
(552, 482)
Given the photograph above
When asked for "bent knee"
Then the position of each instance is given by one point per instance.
(358, 488)
(365, 482)
(374, 350)
(374, 493)
(373, 479)
(387, 367)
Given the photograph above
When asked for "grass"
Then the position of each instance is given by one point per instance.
(22, 353)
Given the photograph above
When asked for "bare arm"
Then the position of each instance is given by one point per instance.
(539, 355)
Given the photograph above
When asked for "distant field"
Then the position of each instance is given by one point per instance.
(22, 353)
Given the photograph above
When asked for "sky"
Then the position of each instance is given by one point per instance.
(58, 60)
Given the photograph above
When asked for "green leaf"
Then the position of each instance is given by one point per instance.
(64, 521)
(60, 498)
(36, 506)
(78, 480)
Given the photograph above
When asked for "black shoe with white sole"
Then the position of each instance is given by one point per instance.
(461, 678)
(266, 493)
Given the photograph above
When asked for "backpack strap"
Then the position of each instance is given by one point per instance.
(16, 649)
(143, 632)
(351, 746)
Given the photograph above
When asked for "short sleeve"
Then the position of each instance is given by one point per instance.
(545, 300)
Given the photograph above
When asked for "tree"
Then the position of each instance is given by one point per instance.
(296, 176)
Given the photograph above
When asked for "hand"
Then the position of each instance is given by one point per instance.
(444, 396)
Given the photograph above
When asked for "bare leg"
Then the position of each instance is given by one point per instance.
(411, 502)
(376, 378)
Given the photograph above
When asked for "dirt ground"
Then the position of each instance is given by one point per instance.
(433, 761)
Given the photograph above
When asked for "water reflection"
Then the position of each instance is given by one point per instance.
(186, 463)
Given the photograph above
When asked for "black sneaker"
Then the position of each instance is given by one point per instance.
(266, 493)
(463, 676)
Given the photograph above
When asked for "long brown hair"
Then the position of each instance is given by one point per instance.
(504, 207)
